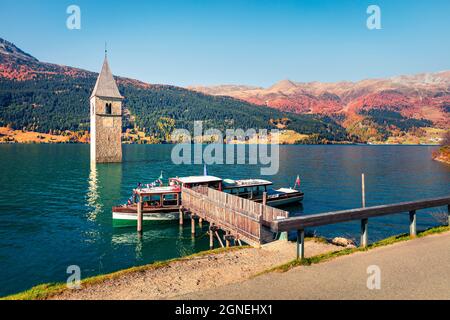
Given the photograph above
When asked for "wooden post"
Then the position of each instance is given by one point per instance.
(192, 224)
(363, 190)
(227, 239)
(139, 215)
(181, 216)
(211, 239)
(412, 223)
(364, 222)
(300, 244)
(364, 235)
(218, 238)
(264, 201)
(448, 216)
(263, 208)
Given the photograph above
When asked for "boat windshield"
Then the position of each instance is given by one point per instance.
(246, 190)
(160, 200)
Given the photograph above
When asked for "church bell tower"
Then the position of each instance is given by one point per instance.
(106, 118)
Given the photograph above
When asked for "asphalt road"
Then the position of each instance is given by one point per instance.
(416, 269)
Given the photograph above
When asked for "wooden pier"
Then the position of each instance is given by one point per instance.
(239, 218)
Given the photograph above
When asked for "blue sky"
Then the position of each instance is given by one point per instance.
(254, 42)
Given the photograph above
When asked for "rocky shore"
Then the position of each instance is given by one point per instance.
(443, 154)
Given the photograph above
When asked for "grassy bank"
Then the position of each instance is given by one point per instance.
(44, 291)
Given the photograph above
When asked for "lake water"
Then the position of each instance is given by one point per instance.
(55, 209)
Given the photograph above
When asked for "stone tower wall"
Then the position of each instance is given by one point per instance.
(108, 130)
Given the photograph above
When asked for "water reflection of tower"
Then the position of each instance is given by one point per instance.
(92, 196)
(104, 190)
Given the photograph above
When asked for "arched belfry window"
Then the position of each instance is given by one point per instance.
(108, 108)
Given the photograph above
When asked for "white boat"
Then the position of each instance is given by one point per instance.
(160, 204)
(253, 189)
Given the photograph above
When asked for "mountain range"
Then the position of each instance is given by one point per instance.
(43, 97)
(49, 98)
(423, 99)
(422, 96)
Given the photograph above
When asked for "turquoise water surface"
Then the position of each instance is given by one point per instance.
(55, 209)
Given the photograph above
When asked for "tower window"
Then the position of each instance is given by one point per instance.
(108, 108)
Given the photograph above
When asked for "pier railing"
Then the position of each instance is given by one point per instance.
(363, 214)
(241, 217)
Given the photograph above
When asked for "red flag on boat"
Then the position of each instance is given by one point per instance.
(297, 182)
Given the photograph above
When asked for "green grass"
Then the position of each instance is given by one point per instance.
(317, 239)
(334, 254)
(44, 291)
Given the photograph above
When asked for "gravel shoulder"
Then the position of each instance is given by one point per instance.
(206, 272)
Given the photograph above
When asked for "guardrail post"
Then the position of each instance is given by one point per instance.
(364, 235)
(412, 223)
(300, 244)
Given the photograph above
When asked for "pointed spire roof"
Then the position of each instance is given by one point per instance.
(106, 85)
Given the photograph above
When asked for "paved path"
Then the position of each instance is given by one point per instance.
(416, 269)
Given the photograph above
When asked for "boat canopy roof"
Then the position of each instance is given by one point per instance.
(157, 190)
(197, 179)
(244, 183)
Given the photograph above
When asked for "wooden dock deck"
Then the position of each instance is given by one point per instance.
(239, 218)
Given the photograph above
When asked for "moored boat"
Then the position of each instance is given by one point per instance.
(253, 189)
(160, 204)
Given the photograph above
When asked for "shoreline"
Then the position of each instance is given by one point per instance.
(443, 160)
(184, 275)
(13, 136)
(442, 155)
(331, 143)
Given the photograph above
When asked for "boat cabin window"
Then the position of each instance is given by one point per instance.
(170, 199)
(255, 191)
(213, 185)
(216, 185)
(152, 201)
